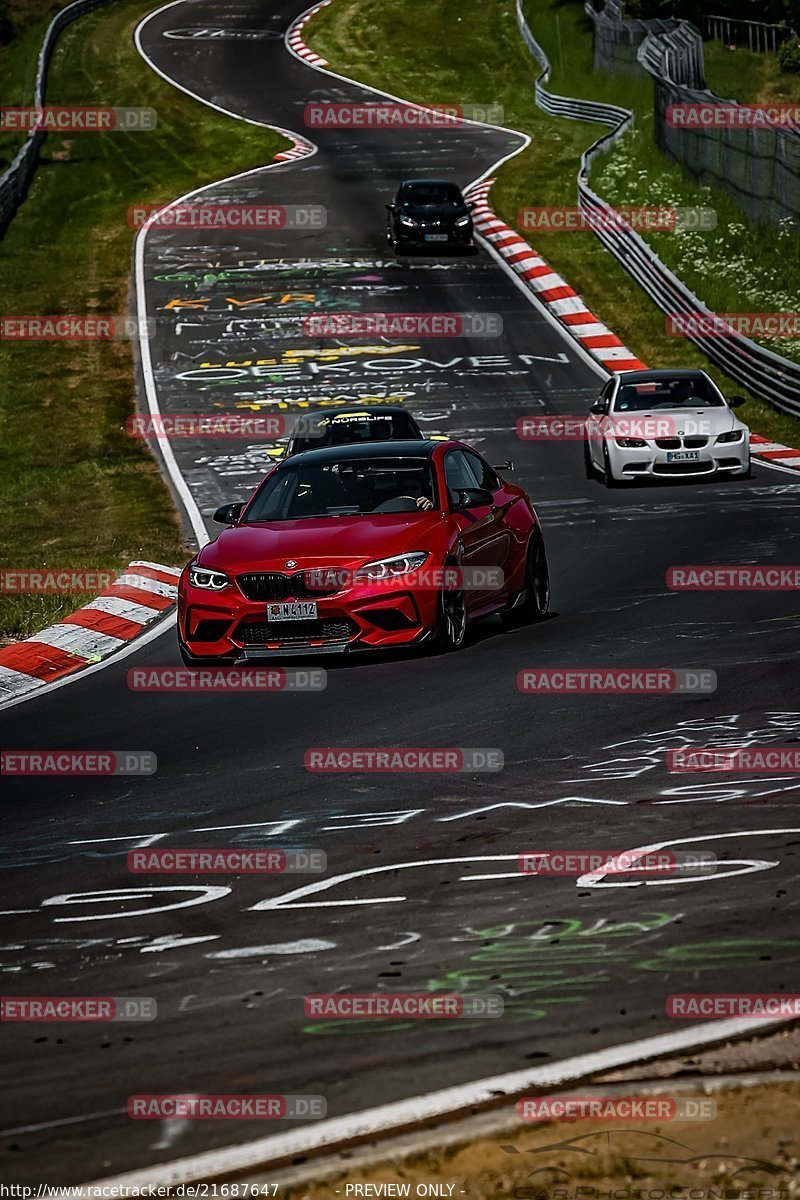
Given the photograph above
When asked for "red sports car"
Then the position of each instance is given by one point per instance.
(367, 546)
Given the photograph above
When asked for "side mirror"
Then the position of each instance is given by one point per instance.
(506, 466)
(228, 514)
(391, 207)
(473, 498)
(598, 408)
(736, 401)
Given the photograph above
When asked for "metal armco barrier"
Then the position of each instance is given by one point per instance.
(765, 374)
(16, 179)
(755, 34)
(615, 41)
(759, 168)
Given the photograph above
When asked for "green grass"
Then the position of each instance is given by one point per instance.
(752, 78)
(76, 489)
(435, 58)
(18, 61)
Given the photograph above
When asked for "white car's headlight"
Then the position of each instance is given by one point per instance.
(735, 435)
(390, 568)
(404, 220)
(630, 443)
(210, 581)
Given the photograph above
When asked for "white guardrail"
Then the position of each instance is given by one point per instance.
(16, 179)
(764, 373)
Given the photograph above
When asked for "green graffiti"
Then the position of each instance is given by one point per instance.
(535, 966)
(708, 956)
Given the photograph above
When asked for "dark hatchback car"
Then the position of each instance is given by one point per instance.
(428, 214)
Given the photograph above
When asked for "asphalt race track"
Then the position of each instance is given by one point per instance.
(433, 900)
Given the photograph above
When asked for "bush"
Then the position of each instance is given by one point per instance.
(789, 56)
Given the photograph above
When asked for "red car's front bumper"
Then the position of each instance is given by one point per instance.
(225, 624)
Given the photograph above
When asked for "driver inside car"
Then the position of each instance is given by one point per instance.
(416, 489)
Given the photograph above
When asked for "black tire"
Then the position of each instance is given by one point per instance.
(608, 477)
(536, 603)
(588, 465)
(451, 626)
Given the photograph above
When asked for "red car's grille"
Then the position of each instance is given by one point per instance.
(274, 585)
(259, 633)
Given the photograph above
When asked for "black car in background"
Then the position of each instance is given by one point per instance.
(378, 423)
(428, 214)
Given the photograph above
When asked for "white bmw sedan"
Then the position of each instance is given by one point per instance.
(663, 425)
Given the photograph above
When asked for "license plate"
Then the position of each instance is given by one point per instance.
(293, 610)
(683, 455)
(435, 237)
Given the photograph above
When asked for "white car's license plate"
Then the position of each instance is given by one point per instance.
(293, 610)
(435, 237)
(683, 455)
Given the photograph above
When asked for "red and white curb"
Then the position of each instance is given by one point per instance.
(548, 286)
(564, 303)
(134, 601)
(294, 36)
(774, 452)
(302, 148)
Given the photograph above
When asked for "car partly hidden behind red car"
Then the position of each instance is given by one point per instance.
(371, 546)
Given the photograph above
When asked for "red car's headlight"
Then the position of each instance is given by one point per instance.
(389, 568)
(210, 581)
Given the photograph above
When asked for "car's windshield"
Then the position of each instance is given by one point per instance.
(345, 487)
(694, 392)
(432, 194)
(342, 429)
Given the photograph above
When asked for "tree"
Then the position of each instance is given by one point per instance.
(6, 24)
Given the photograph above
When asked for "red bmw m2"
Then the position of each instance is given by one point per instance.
(371, 546)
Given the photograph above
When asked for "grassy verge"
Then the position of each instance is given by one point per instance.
(438, 55)
(77, 490)
(752, 78)
(23, 24)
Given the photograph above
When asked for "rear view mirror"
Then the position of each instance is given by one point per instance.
(736, 401)
(228, 514)
(473, 497)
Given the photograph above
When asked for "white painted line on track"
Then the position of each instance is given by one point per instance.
(151, 392)
(9, 683)
(439, 1105)
(385, 1119)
